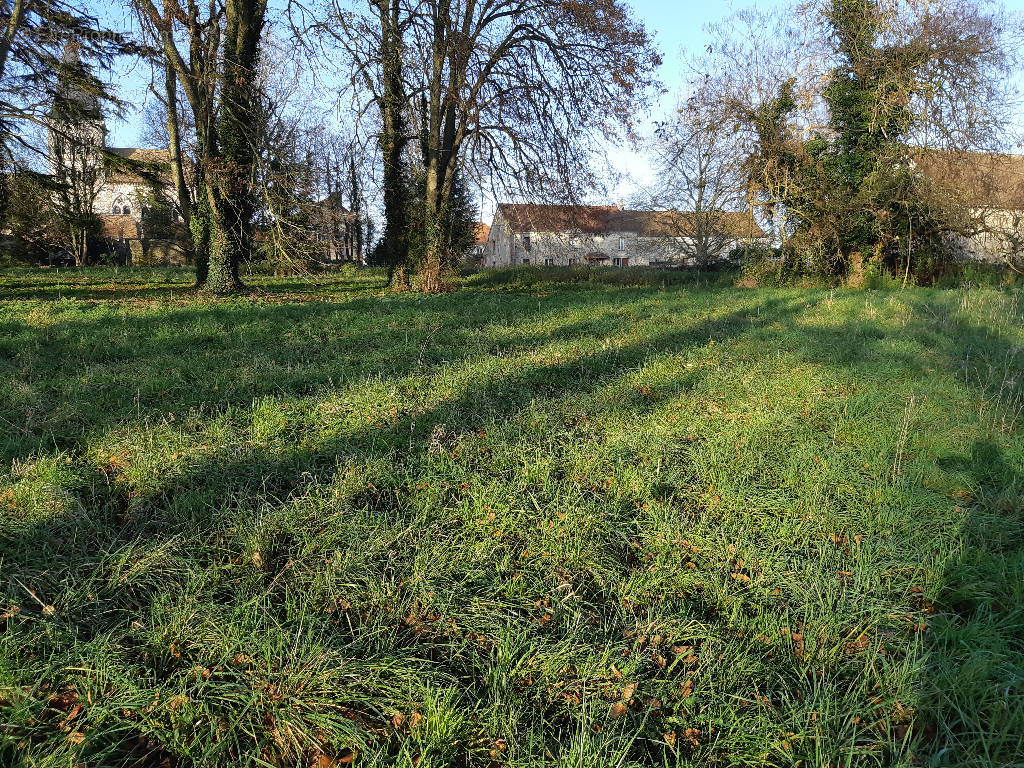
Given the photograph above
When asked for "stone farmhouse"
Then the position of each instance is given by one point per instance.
(138, 208)
(482, 234)
(601, 235)
(984, 192)
(128, 189)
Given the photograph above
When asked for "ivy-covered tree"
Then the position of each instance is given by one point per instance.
(835, 166)
(219, 75)
(457, 224)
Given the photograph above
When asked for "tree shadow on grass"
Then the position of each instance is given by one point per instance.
(76, 376)
(974, 691)
(173, 284)
(116, 524)
(204, 502)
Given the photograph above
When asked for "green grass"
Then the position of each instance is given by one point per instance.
(629, 520)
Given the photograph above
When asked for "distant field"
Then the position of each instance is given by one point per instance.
(529, 522)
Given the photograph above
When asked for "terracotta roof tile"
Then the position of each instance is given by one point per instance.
(529, 217)
(139, 158)
(977, 179)
(599, 219)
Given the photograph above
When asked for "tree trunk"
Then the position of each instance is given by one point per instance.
(392, 143)
(356, 205)
(225, 257)
(199, 224)
(13, 25)
(80, 246)
(433, 272)
(230, 190)
(174, 149)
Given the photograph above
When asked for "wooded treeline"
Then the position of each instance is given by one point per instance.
(813, 117)
(440, 97)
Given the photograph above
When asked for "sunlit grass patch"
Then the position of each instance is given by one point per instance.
(549, 518)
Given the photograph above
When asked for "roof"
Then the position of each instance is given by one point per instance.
(333, 203)
(599, 219)
(739, 224)
(978, 179)
(530, 217)
(482, 232)
(141, 154)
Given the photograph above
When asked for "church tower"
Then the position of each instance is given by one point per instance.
(77, 134)
(77, 128)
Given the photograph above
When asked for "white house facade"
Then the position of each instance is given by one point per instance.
(595, 235)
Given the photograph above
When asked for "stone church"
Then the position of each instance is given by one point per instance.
(131, 192)
(128, 189)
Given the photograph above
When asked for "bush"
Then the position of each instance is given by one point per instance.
(773, 267)
(973, 273)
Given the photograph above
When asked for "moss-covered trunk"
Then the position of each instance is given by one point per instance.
(392, 144)
(229, 191)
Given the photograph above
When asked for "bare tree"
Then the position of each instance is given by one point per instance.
(305, 170)
(833, 100)
(516, 89)
(762, 74)
(373, 36)
(699, 178)
(189, 37)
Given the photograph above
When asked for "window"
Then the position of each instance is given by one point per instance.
(574, 242)
(573, 262)
(549, 262)
(620, 261)
(526, 243)
(526, 261)
(622, 243)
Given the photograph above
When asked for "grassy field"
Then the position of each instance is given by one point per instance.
(531, 522)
